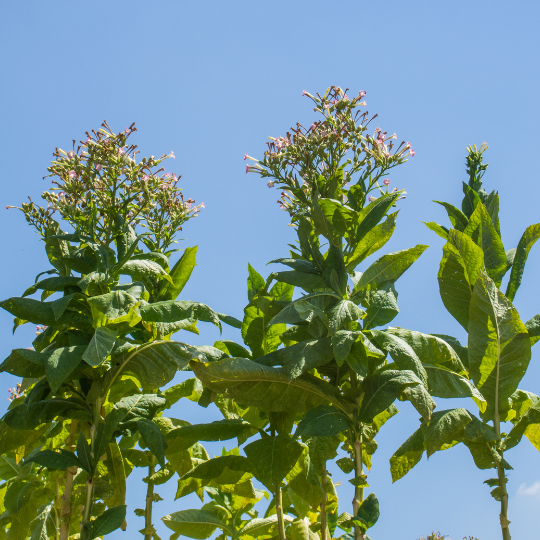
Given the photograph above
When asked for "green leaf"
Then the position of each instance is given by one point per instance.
(100, 346)
(499, 346)
(323, 421)
(381, 389)
(84, 454)
(301, 357)
(461, 264)
(381, 304)
(190, 389)
(24, 363)
(334, 272)
(533, 327)
(145, 269)
(343, 313)
(445, 429)
(368, 513)
(431, 349)
(273, 458)
(55, 460)
(371, 242)
(371, 214)
(232, 349)
(305, 280)
(343, 218)
(199, 524)
(436, 228)
(18, 495)
(470, 200)
(527, 241)
(389, 267)
(258, 527)
(153, 439)
(109, 521)
(60, 363)
(402, 353)
(114, 307)
(458, 219)
(228, 319)
(57, 283)
(255, 282)
(156, 363)
(11, 438)
(223, 470)
(253, 384)
(170, 311)
(300, 265)
(44, 518)
(116, 475)
(180, 274)
(407, 455)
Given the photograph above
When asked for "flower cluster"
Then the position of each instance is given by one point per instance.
(307, 161)
(40, 329)
(99, 184)
(14, 393)
(435, 535)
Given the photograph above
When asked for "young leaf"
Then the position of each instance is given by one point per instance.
(368, 513)
(109, 521)
(153, 439)
(84, 454)
(255, 282)
(180, 274)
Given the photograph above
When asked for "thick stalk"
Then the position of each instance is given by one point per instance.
(65, 506)
(358, 491)
(149, 501)
(56, 514)
(279, 512)
(324, 525)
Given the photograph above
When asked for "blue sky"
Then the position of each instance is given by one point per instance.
(211, 80)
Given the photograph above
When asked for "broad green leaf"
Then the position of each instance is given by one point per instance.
(170, 311)
(222, 470)
(437, 229)
(253, 384)
(458, 219)
(232, 349)
(370, 215)
(305, 280)
(381, 389)
(301, 309)
(299, 530)
(116, 475)
(228, 319)
(220, 430)
(499, 346)
(39, 524)
(343, 313)
(444, 429)
(334, 272)
(24, 363)
(84, 454)
(255, 282)
(461, 264)
(199, 524)
(368, 513)
(483, 232)
(100, 346)
(371, 242)
(533, 327)
(527, 241)
(11, 438)
(55, 460)
(401, 352)
(190, 389)
(300, 265)
(444, 383)
(139, 270)
(139, 406)
(109, 521)
(407, 455)
(470, 200)
(389, 267)
(60, 363)
(343, 218)
(323, 226)
(94, 283)
(156, 363)
(57, 283)
(430, 349)
(180, 274)
(528, 425)
(272, 458)
(114, 307)
(153, 439)
(259, 527)
(323, 421)
(18, 495)
(380, 303)
(301, 357)
(342, 343)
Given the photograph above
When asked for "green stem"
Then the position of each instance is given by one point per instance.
(56, 516)
(65, 506)
(358, 491)
(279, 512)
(324, 526)
(148, 534)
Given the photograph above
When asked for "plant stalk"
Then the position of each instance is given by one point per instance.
(149, 501)
(324, 526)
(279, 512)
(358, 491)
(65, 506)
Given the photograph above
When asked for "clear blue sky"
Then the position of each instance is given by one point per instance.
(211, 80)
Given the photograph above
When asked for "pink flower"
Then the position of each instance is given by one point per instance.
(412, 152)
(121, 151)
(408, 145)
(72, 174)
(61, 195)
(71, 154)
(245, 157)
(362, 93)
(345, 97)
(304, 92)
(386, 181)
(377, 130)
(363, 103)
(99, 167)
(270, 184)
(172, 155)
(371, 199)
(282, 206)
(167, 175)
(313, 127)
(247, 168)
(202, 205)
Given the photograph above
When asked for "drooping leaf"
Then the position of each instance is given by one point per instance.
(153, 439)
(24, 363)
(527, 241)
(114, 307)
(109, 521)
(533, 327)
(190, 389)
(499, 346)
(55, 460)
(343, 313)
(170, 311)
(199, 524)
(100, 346)
(407, 455)
(39, 524)
(57, 283)
(445, 429)
(116, 475)
(60, 363)
(270, 388)
(323, 421)
(381, 304)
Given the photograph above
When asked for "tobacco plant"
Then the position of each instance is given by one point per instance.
(90, 385)
(332, 381)
(496, 358)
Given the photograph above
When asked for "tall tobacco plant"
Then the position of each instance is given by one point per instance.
(89, 407)
(318, 370)
(498, 351)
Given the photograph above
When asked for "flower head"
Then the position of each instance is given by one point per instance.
(371, 198)
(270, 183)
(172, 155)
(386, 181)
(362, 93)
(72, 174)
(411, 152)
(71, 154)
(99, 167)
